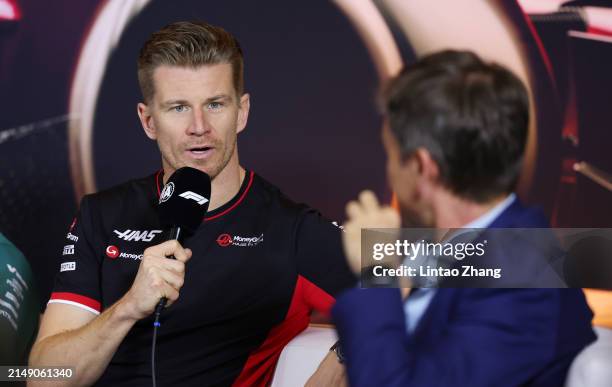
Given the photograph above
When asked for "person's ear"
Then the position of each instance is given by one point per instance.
(427, 167)
(426, 172)
(146, 120)
(243, 112)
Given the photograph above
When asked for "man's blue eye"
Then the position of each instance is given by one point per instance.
(215, 105)
(180, 108)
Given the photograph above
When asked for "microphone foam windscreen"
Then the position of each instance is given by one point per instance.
(185, 198)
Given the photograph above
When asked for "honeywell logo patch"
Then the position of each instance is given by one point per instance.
(225, 240)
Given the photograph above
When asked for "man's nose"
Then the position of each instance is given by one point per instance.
(199, 124)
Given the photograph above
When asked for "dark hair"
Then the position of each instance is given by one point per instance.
(189, 44)
(470, 115)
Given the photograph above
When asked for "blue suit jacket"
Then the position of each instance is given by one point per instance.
(467, 337)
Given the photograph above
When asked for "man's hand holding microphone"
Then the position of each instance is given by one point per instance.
(157, 277)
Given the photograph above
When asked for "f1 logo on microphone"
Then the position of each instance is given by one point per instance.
(192, 195)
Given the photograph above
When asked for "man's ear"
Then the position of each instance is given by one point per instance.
(423, 169)
(243, 112)
(428, 168)
(146, 120)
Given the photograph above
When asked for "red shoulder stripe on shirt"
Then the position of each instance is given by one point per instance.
(77, 299)
(261, 363)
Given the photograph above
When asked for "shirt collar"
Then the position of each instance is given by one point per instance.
(484, 220)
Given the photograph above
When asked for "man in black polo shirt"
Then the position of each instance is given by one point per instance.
(240, 288)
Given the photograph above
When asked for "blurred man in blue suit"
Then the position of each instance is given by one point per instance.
(455, 136)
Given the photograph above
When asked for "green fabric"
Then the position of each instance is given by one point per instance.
(19, 312)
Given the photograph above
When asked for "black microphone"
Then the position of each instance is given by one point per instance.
(182, 205)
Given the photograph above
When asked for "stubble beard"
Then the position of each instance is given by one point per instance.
(201, 164)
(220, 166)
(227, 156)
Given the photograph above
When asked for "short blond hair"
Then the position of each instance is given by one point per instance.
(189, 44)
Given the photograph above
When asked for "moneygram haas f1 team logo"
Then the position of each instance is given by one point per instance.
(225, 240)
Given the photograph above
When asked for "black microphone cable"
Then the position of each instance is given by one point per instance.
(175, 233)
(156, 325)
